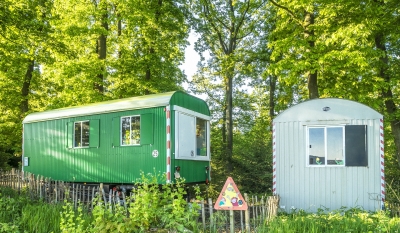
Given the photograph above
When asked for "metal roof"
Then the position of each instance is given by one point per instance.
(138, 102)
(327, 109)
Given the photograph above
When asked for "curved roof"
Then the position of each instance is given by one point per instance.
(326, 110)
(132, 103)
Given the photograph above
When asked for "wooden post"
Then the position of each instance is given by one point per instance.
(241, 221)
(263, 208)
(210, 206)
(247, 214)
(203, 214)
(232, 221)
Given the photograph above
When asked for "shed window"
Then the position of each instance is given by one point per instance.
(201, 136)
(130, 130)
(133, 130)
(337, 145)
(191, 136)
(81, 134)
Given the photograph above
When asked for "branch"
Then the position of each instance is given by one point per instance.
(288, 11)
(221, 41)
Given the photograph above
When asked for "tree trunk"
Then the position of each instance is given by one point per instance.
(26, 87)
(311, 75)
(229, 124)
(102, 48)
(387, 95)
(272, 87)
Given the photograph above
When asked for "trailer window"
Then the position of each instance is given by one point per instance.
(191, 136)
(130, 130)
(337, 146)
(201, 136)
(81, 134)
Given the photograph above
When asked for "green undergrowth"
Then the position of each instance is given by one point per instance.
(163, 208)
(150, 207)
(343, 220)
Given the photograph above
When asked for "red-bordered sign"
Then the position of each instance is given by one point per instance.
(230, 198)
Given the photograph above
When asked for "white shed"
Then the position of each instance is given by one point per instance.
(328, 153)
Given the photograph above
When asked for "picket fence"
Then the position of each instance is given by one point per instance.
(260, 209)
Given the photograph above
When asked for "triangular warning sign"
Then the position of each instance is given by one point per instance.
(230, 198)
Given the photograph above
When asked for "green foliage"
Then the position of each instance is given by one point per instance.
(73, 220)
(352, 220)
(149, 206)
(20, 214)
(41, 217)
(164, 206)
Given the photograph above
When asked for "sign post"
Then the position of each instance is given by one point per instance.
(230, 199)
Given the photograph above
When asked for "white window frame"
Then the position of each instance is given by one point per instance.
(74, 139)
(130, 130)
(325, 127)
(180, 110)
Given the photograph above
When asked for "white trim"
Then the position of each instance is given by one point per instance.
(190, 112)
(130, 130)
(176, 129)
(325, 127)
(274, 159)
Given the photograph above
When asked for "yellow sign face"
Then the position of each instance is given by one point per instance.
(230, 198)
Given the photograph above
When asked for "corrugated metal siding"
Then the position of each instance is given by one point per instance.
(45, 145)
(190, 102)
(310, 188)
(193, 171)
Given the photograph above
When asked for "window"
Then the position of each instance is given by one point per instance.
(337, 145)
(130, 130)
(191, 135)
(201, 136)
(81, 134)
(133, 130)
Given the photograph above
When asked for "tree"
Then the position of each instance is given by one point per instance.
(26, 37)
(227, 30)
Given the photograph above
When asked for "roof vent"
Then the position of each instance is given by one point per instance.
(325, 109)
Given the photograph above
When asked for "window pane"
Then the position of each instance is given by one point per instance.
(85, 133)
(185, 136)
(201, 139)
(334, 145)
(356, 145)
(125, 130)
(130, 130)
(135, 130)
(316, 147)
(77, 134)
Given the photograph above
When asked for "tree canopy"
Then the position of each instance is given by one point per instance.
(257, 59)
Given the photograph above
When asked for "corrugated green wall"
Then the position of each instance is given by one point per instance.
(48, 145)
(45, 143)
(190, 102)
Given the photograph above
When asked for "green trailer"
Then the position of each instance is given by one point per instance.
(113, 142)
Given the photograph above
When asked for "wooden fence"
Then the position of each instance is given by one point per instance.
(260, 209)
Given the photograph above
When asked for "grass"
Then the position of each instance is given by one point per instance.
(167, 210)
(351, 220)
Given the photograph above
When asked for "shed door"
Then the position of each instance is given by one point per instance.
(186, 140)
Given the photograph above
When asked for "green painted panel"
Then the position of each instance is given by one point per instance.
(192, 171)
(94, 133)
(70, 134)
(190, 102)
(48, 144)
(146, 129)
(115, 132)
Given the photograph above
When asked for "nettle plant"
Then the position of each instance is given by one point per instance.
(150, 205)
(162, 206)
